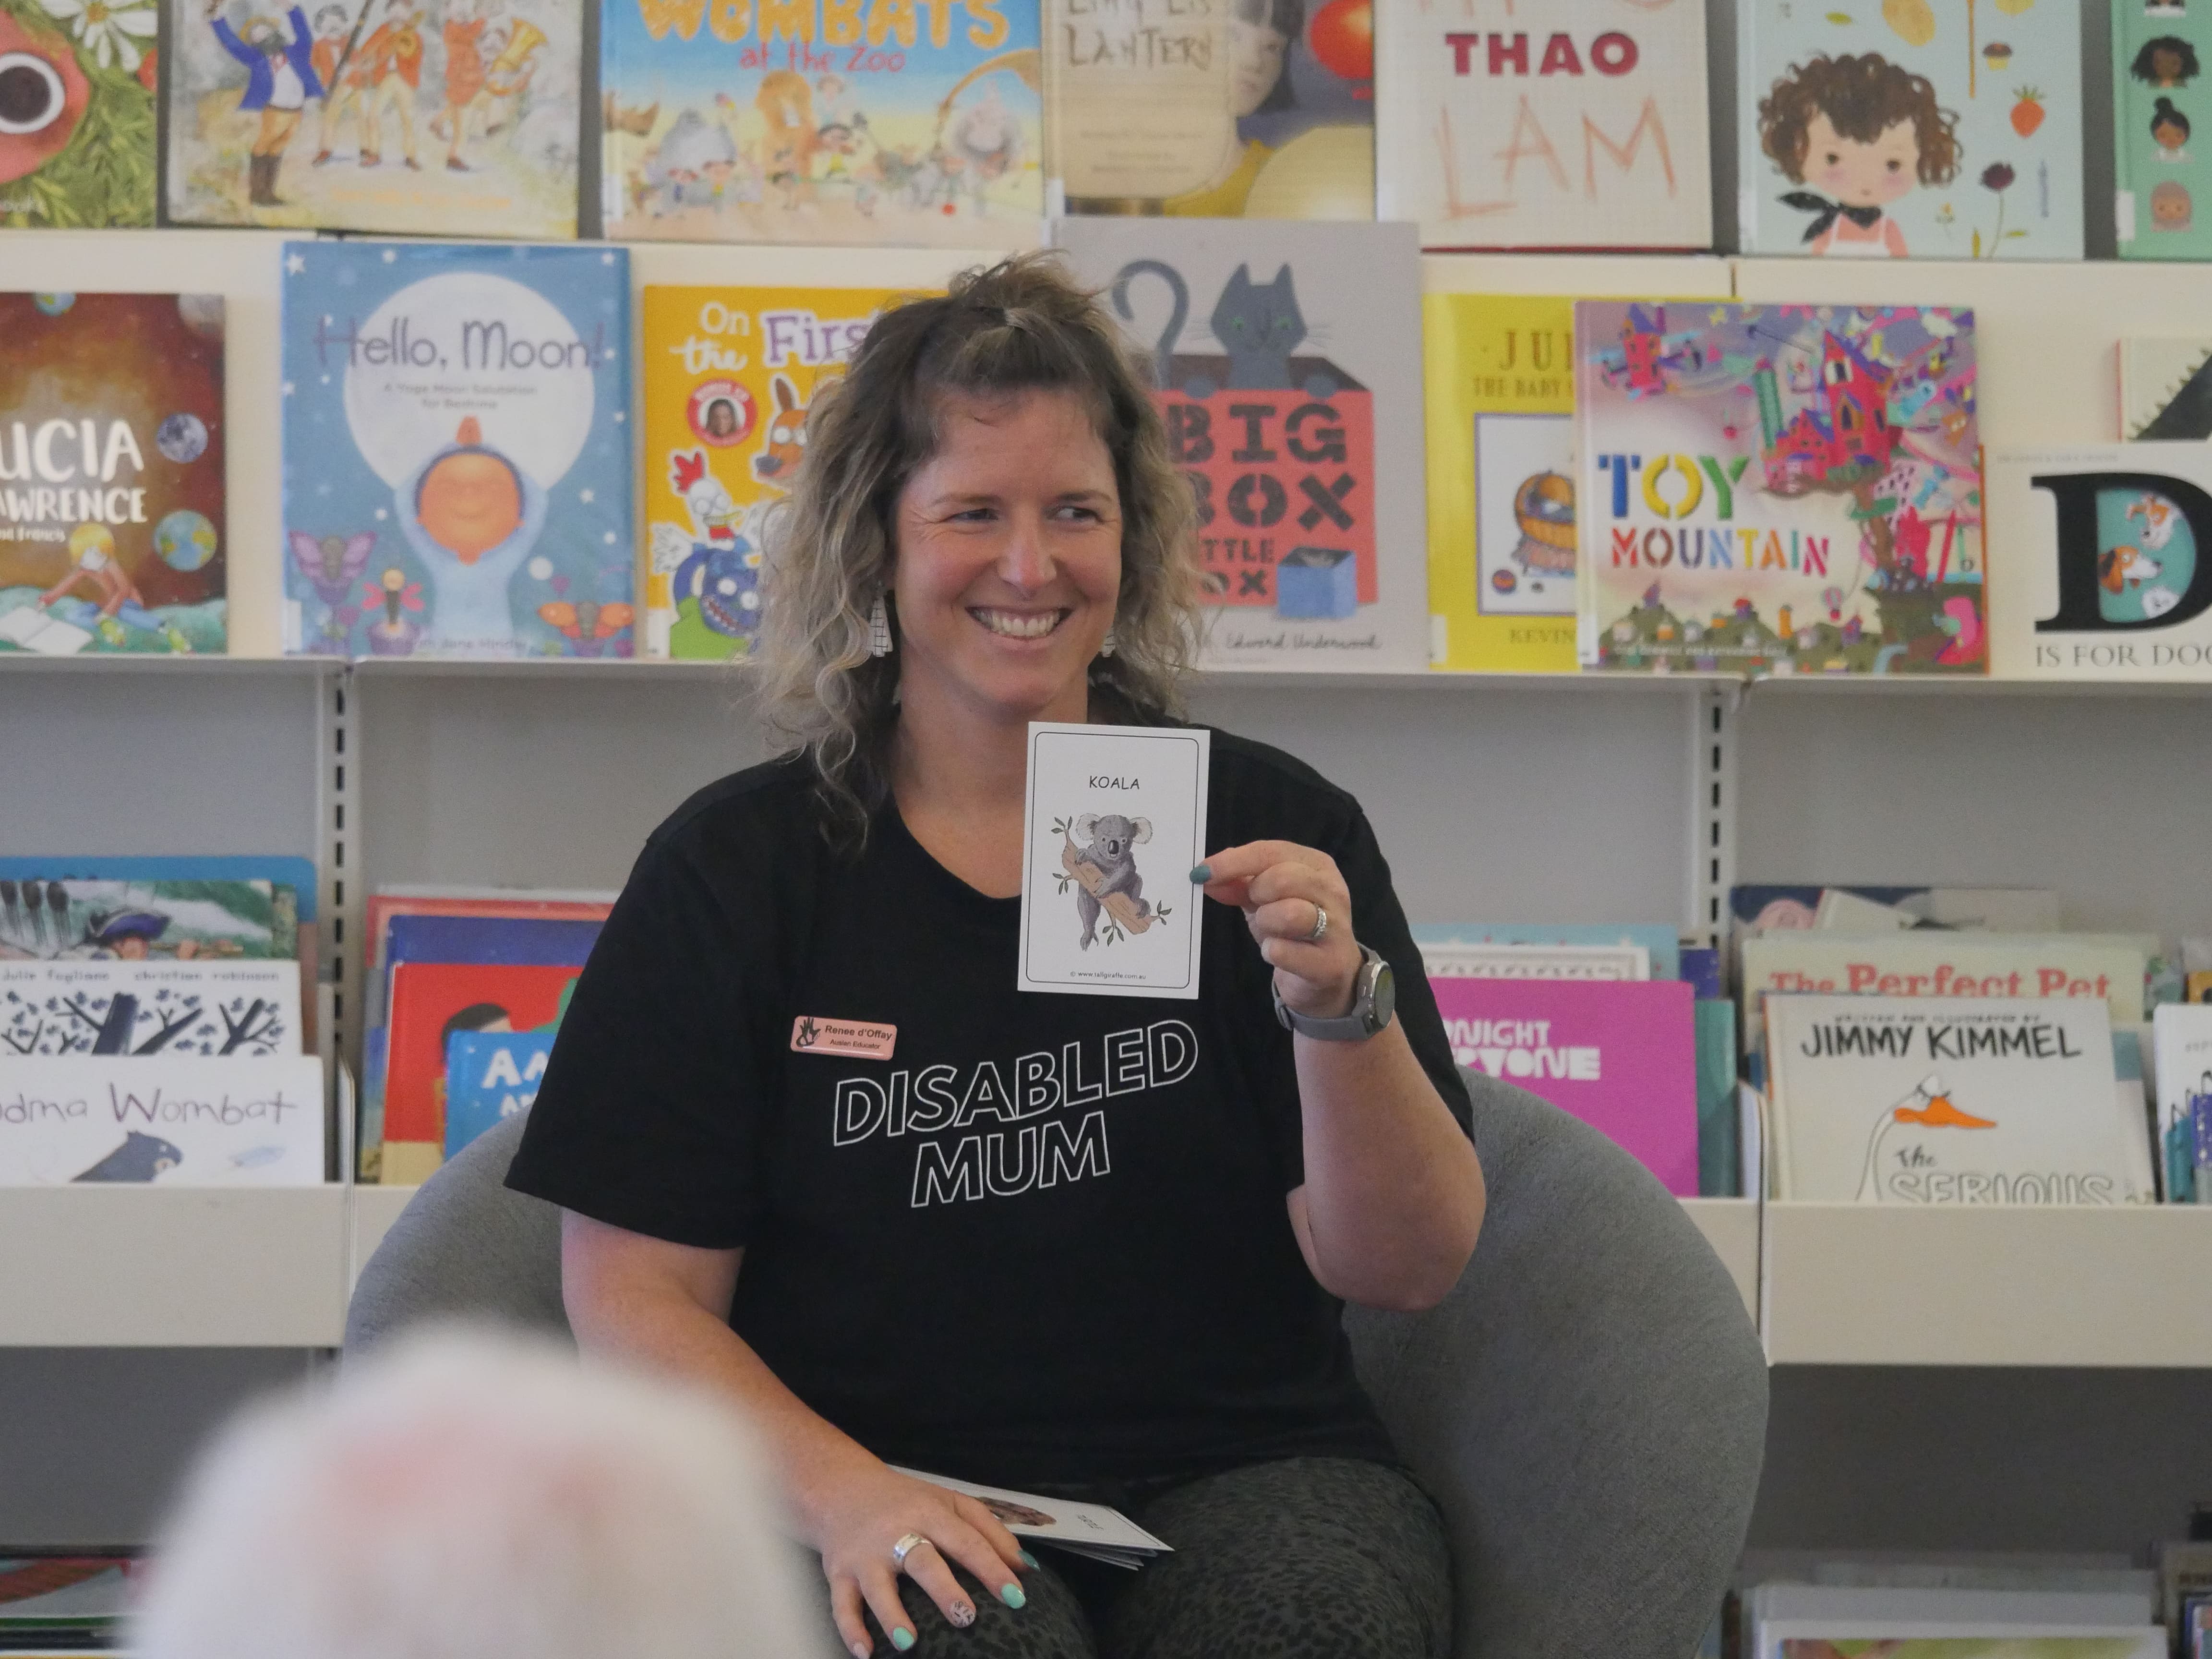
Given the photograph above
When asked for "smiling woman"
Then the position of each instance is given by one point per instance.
(819, 1151)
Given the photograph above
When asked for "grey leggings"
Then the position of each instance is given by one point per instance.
(1313, 1557)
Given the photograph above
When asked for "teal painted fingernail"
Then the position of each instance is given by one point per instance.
(902, 1639)
(1200, 874)
(1012, 1596)
(1027, 1560)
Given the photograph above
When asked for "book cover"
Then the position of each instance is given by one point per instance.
(1661, 947)
(2166, 389)
(1773, 490)
(2181, 1064)
(1287, 360)
(2158, 67)
(1619, 1055)
(456, 450)
(76, 140)
(1914, 1100)
(729, 375)
(2108, 575)
(147, 1008)
(277, 869)
(1581, 125)
(1615, 962)
(1499, 382)
(111, 426)
(1902, 1639)
(1212, 109)
(510, 941)
(430, 1001)
(179, 1119)
(384, 907)
(1720, 1173)
(138, 919)
(2108, 968)
(450, 117)
(1928, 129)
(491, 1075)
(823, 121)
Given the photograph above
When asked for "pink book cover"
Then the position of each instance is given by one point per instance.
(1621, 1056)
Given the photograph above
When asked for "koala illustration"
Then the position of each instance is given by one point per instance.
(1109, 846)
(140, 1157)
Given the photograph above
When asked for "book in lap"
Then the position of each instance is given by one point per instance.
(1102, 1533)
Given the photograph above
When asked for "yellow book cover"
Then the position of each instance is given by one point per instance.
(1500, 385)
(729, 375)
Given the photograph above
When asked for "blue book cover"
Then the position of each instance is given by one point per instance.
(529, 941)
(1720, 1173)
(491, 1075)
(456, 452)
(276, 869)
(1661, 942)
(1702, 967)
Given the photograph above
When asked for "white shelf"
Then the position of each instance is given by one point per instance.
(374, 1210)
(116, 1267)
(1853, 1285)
(1731, 1227)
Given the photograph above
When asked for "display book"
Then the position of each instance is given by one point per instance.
(71, 1599)
(2158, 67)
(467, 989)
(1264, 108)
(1987, 1606)
(1917, 129)
(1779, 488)
(1293, 400)
(77, 148)
(156, 1022)
(1581, 125)
(729, 375)
(457, 456)
(112, 450)
(2181, 1072)
(453, 117)
(823, 121)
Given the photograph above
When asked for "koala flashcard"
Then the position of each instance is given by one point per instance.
(1116, 819)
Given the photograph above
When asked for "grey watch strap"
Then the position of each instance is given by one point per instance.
(1355, 1026)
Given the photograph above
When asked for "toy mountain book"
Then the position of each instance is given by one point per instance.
(2166, 389)
(1917, 1100)
(456, 450)
(2159, 54)
(1287, 359)
(729, 375)
(1581, 123)
(823, 121)
(1264, 109)
(177, 1119)
(76, 114)
(2110, 562)
(145, 920)
(452, 117)
(112, 445)
(1922, 128)
(1619, 1055)
(1770, 489)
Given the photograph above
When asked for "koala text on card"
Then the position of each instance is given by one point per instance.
(1114, 820)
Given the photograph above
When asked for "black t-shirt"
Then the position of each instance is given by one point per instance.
(1045, 1241)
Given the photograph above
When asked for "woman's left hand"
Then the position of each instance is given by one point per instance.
(1283, 888)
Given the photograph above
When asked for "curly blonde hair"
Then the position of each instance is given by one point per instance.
(831, 546)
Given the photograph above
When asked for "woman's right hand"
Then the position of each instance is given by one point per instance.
(857, 1515)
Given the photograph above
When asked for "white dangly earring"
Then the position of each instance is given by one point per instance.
(1106, 646)
(879, 629)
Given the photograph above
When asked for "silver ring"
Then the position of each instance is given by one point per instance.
(1319, 927)
(904, 1547)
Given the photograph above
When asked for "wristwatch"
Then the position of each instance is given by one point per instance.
(1374, 998)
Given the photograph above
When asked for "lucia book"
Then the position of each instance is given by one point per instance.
(1928, 129)
(1896, 1100)
(457, 454)
(454, 117)
(1770, 489)
(111, 471)
(730, 373)
(1287, 359)
(1589, 132)
(2112, 562)
(823, 121)
(2159, 52)
(77, 116)
(1261, 109)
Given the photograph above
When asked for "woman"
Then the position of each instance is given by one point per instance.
(1029, 1241)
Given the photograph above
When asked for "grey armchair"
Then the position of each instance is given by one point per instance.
(1588, 1407)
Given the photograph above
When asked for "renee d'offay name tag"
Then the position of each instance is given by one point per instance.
(854, 1039)
(1114, 821)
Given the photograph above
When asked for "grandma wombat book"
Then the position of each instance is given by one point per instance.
(457, 454)
(823, 121)
(111, 471)
(1771, 490)
(76, 114)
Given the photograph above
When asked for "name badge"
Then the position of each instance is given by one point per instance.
(854, 1039)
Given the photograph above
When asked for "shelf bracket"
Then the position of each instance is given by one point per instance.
(1712, 811)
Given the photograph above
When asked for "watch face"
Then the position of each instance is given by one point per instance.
(1386, 996)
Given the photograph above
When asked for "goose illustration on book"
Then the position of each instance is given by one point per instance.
(1928, 1107)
